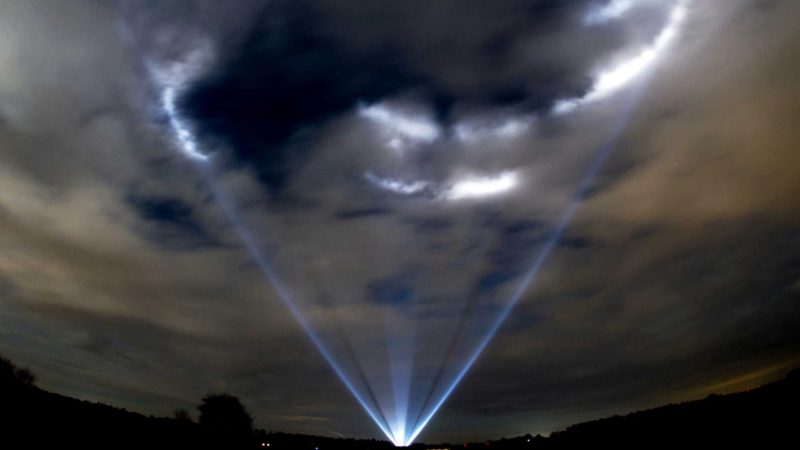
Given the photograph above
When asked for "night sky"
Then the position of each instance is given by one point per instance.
(400, 174)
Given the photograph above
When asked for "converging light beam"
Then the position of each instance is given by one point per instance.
(404, 131)
(187, 144)
(602, 155)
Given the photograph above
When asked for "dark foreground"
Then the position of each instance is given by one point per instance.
(767, 417)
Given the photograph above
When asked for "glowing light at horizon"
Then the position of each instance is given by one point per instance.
(169, 80)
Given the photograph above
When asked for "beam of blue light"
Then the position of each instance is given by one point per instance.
(395, 419)
(247, 239)
(231, 213)
(188, 146)
(529, 277)
(401, 366)
(607, 83)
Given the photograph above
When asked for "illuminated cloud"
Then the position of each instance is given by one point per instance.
(171, 79)
(461, 188)
(187, 143)
(399, 186)
(611, 80)
(474, 187)
(612, 10)
(475, 132)
(400, 129)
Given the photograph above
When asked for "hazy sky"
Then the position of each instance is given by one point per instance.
(396, 163)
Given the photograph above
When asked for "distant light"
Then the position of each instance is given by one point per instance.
(480, 187)
(400, 129)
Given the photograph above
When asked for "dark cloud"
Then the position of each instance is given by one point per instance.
(429, 224)
(350, 214)
(397, 292)
(171, 223)
(303, 64)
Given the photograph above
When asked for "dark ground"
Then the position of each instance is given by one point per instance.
(767, 417)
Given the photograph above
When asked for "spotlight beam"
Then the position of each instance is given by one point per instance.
(448, 354)
(250, 245)
(355, 378)
(677, 16)
(187, 144)
(554, 237)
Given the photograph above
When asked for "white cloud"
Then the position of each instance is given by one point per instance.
(615, 78)
(401, 129)
(461, 188)
(474, 187)
(470, 132)
(612, 10)
(171, 79)
(399, 186)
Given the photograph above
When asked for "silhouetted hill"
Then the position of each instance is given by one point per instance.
(766, 417)
(33, 418)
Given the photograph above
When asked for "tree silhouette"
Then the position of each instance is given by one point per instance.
(7, 371)
(25, 376)
(181, 415)
(226, 420)
(11, 374)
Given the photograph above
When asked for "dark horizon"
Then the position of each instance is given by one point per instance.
(757, 414)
